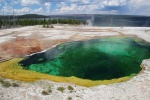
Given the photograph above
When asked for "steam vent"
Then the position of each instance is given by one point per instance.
(88, 63)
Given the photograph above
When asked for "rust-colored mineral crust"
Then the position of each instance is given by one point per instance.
(19, 47)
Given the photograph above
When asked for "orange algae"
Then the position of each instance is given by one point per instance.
(12, 70)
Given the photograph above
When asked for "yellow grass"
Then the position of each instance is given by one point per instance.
(12, 70)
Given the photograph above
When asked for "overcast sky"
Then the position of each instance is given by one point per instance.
(49, 7)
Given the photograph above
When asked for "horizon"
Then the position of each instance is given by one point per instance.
(75, 14)
(69, 7)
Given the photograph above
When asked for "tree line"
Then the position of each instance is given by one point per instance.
(45, 22)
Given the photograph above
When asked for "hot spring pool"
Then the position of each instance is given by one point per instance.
(98, 59)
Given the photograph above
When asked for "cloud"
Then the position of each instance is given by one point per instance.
(114, 2)
(89, 7)
(27, 10)
(75, 9)
(80, 1)
(24, 10)
(6, 9)
(52, 1)
(48, 6)
(131, 7)
(29, 2)
(37, 11)
(2, 1)
(64, 8)
(140, 7)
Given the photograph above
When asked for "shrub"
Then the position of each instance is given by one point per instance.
(71, 91)
(69, 98)
(5, 83)
(1, 80)
(15, 85)
(51, 26)
(70, 88)
(49, 89)
(45, 92)
(43, 25)
(61, 89)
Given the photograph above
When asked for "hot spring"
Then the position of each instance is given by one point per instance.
(97, 59)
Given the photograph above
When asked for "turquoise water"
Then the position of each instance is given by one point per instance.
(98, 59)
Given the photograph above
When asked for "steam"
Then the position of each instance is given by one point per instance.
(52, 53)
(60, 49)
(90, 22)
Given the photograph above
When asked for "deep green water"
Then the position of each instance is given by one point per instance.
(98, 59)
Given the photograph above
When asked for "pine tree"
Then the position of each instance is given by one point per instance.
(1, 23)
(44, 22)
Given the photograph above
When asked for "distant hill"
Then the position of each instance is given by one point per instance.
(26, 16)
(32, 16)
